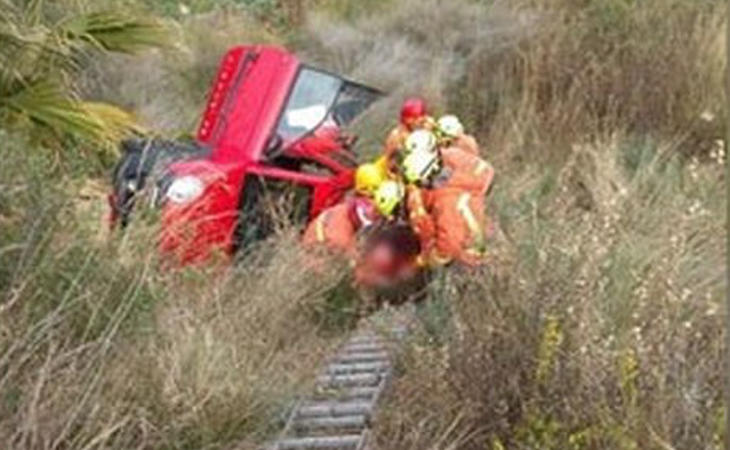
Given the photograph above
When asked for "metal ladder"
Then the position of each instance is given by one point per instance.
(338, 415)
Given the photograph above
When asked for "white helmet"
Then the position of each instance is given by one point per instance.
(420, 140)
(418, 166)
(450, 126)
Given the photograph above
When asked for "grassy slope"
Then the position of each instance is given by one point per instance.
(597, 325)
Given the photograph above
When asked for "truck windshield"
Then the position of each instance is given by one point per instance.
(309, 104)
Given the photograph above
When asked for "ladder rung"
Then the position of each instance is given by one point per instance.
(357, 392)
(354, 421)
(344, 441)
(376, 366)
(345, 380)
(331, 409)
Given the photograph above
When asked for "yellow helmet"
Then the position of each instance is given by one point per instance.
(382, 164)
(368, 177)
(388, 196)
(420, 165)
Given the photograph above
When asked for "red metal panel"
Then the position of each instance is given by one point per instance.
(259, 97)
(219, 92)
(195, 231)
(242, 111)
(327, 191)
(288, 175)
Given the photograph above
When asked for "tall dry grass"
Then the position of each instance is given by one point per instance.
(530, 78)
(599, 323)
(99, 348)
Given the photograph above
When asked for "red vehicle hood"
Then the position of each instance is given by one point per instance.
(237, 127)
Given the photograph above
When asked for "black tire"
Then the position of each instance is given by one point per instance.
(255, 222)
(252, 226)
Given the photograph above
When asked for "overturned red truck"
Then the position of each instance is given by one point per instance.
(271, 123)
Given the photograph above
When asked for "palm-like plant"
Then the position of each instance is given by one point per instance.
(43, 46)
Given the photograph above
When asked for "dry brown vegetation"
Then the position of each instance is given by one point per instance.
(597, 324)
(100, 349)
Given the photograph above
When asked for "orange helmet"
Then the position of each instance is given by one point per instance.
(413, 108)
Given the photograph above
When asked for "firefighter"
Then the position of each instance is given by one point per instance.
(368, 178)
(445, 202)
(413, 116)
(450, 132)
(416, 141)
(455, 151)
(336, 228)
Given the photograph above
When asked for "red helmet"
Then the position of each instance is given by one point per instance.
(413, 108)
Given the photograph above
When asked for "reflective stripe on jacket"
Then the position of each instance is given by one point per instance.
(333, 228)
(459, 224)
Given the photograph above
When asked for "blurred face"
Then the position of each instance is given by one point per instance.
(411, 122)
(381, 258)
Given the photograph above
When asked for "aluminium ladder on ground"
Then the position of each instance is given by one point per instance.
(338, 415)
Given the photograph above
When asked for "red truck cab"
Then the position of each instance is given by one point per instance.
(270, 121)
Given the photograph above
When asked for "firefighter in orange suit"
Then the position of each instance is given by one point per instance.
(413, 116)
(445, 201)
(336, 228)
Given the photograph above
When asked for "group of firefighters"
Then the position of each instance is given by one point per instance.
(430, 177)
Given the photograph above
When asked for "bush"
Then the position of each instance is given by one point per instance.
(599, 323)
(99, 348)
(530, 78)
(168, 90)
(596, 324)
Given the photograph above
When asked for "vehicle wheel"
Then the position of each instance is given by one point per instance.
(265, 203)
(252, 224)
(144, 160)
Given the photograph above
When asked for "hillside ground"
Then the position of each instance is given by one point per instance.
(598, 321)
